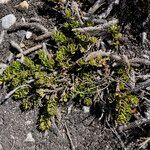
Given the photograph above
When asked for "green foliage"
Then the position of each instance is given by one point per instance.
(56, 78)
(68, 13)
(68, 47)
(44, 123)
(84, 88)
(21, 93)
(124, 100)
(116, 35)
(87, 101)
(124, 103)
(59, 37)
(52, 106)
(46, 60)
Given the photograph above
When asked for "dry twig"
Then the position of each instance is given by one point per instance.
(2, 36)
(109, 9)
(95, 20)
(69, 137)
(16, 46)
(98, 28)
(2, 68)
(96, 6)
(143, 77)
(142, 85)
(30, 50)
(133, 125)
(117, 58)
(75, 9)
(13, 91)
(32, 26)
(43, 36)
(143, 144)
(117, 135)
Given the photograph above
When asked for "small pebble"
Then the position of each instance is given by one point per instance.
(23, 5)
(8, 21)
(23, 20)
(28, 122)
(29, 138)
(22, 45)
(86, 109)
(148, 88)
(28, 34)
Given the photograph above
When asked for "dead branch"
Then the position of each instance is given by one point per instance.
(30, 50)
(98, 28)
(117, 135)
(143, 77)
(132, 79)
(2, 36)
(44, 36)
(140, 61)
(95, 20)
(54, 127)
(16, 46)
(2, 68)
(32, 26)
(69, 137)
(109, 9)
(35, 19)
(142, 85)
(96, 6)
(75, 9)
(143, 144)
(13, 91)
(133, 125)
(117, 58)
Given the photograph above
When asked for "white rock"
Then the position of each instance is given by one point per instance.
(28, 34)
(86, 109)
(4, 1)
(29, 138)
(8, 21)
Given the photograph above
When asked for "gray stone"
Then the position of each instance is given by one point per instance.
(8, 21)
(21, 33)
(86, 109)
(29, 138)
